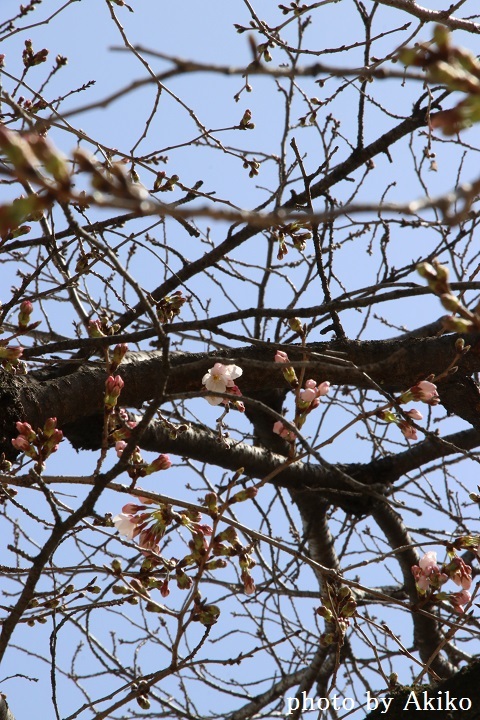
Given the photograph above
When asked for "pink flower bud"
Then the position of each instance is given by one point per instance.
(323, 388)
(113, 388)
(281, 357)
(49, 426)
(26, 309)
(119, 448)
(408, 430)
(308, 395)
(414, 414)
(162, 462)
(119, 353)
(21, 443)
(26, 429)
(280, 429)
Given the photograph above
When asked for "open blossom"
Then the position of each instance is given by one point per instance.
(427, 574)
(220, 379)
(125, 524)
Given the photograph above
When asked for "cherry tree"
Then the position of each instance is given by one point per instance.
(240, 339)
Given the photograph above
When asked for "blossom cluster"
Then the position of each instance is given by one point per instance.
(338, 606)
(137, 467)
(10, 354)
(147, 522)
(149, 526)
(40, 444)
(430, 577)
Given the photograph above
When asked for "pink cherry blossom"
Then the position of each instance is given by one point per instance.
(428, 562)
(281, 357)
(125, 525)
(427, 574)
(219, 378)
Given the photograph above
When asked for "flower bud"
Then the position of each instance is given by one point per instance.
(296, 325)
(450, 302)
(26, 309)
(457, 325)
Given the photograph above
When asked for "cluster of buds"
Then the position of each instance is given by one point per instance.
(101, 328)
(203, 612)
(10, 359)
(169, 307)
(220, 379)
(437, 276)
(113, 388)
(122, 426)
(163, 183)
(337, 607)
(136, 466)
(263, 49)
(38, 445)
(26, 153)
(307, 399)
(31, 58)
(227, 544)
(253, 166)
(114, 180)
(430, 577)
(245, 122)
(294, 8)
(404, 422)
(148, 527)
(142, 690)
(424, 391)
(298, 232)
(23, 209)
(454, 67)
